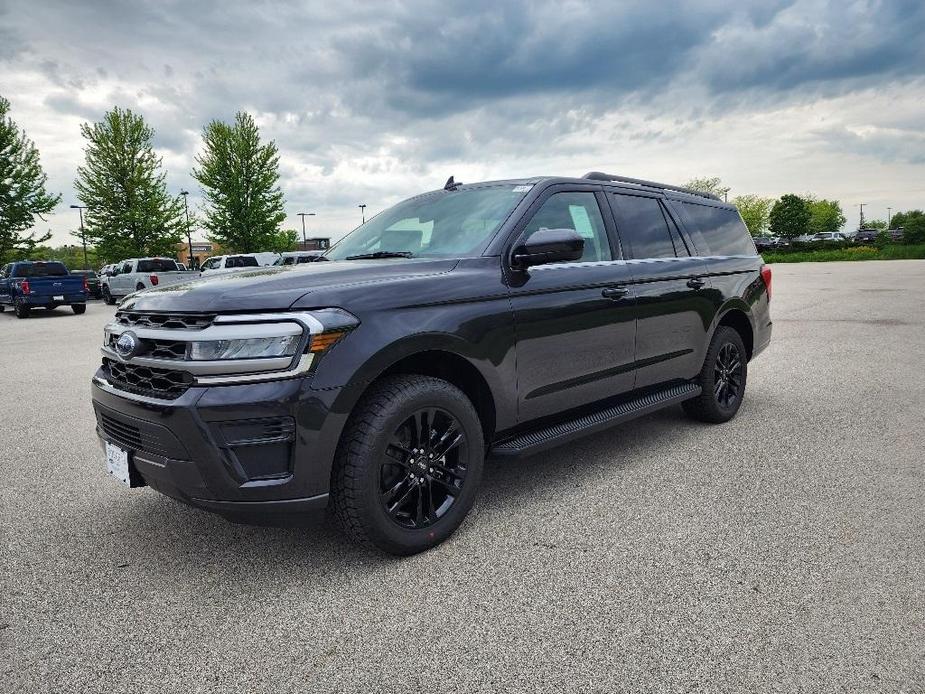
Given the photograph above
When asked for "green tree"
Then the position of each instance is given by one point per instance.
(239, 178)
(284, 240)
(23, 195)
(875, 224)
(755, 211)
(790, 216)
(129, 213)
(712, 185)
(825, 215)
(912, 224)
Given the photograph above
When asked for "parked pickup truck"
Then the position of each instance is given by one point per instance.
(223, 264)
(136, 274)
(26, 285)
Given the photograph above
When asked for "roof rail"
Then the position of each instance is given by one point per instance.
(598, 176)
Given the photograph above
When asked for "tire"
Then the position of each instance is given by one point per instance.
(377, 493)
(722, 378)
(79, 308)
(107, 297)
(139, 287)
(22, 310)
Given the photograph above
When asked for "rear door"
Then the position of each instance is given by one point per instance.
(575, 322)
(674, 314)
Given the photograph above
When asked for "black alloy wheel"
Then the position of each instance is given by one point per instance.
(424, 468)
(727, 375)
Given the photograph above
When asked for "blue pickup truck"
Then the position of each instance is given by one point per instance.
(30, 284)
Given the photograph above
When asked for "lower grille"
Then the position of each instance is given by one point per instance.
(120, 432)
(144, 380)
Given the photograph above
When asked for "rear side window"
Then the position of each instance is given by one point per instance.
(248, 261)
(41, 270)
(643, 230)
(716, 230)
(157, 265)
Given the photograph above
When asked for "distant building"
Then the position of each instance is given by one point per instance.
(315, 244)
(201, 251)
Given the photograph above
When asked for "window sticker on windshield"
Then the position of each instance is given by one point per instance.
(581, 220)
(522, 189)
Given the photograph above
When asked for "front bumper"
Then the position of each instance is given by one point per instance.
(257, 453)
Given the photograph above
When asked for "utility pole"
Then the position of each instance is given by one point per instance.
(363, 212)
(889, 217)
(861, 222)
(303, 215)
(189, 236)
(83, 237)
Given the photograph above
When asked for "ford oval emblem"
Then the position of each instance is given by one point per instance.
(127, 344)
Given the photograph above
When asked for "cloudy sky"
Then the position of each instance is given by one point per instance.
(372, 101)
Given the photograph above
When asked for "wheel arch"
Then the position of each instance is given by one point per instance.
(738, 318)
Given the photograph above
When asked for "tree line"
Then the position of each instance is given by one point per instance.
(123, 185)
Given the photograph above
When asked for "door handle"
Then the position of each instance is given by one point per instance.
(695, 283)
(614, 293)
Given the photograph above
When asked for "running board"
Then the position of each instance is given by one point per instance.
(540, 439)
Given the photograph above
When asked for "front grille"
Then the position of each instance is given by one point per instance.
(168, 321)
(121, 433)
(159, 349)
(144, 380)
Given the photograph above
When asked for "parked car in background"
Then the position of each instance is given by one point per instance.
(299, 257)
(896, 235)
(94, 288)
(764, 243)
(498, 318)
(221, 264)
(30, 284)
(865, 236)
(803, 238)
(830, 237)
(136, 274)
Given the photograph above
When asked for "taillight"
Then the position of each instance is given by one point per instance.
(766, 278)
(154, 280)
(86, 286)
(24, 287)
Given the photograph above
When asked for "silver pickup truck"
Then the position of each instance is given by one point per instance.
(136, 274)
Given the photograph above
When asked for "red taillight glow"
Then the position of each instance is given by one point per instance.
(86, 286)
(766, 278)
(24, 287)
(154, 280)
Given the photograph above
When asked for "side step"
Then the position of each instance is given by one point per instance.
(547, 437)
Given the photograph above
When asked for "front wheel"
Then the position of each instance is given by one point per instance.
(409, 464)
(722, 379)
(108, 297)
(79, 308)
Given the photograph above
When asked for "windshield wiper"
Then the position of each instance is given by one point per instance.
(380, 254)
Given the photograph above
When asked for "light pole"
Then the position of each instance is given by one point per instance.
(303, 215)
(189, 235)
(83, 237)
(363, 212)
(889, 217)
(861, 221)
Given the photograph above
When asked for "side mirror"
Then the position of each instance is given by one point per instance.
(548, 246)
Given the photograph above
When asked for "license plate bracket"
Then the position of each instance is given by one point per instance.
(120, 465)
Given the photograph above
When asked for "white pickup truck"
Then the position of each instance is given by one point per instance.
(135, 274)
(222, 264)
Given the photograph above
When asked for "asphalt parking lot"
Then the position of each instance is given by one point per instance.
(784, 551)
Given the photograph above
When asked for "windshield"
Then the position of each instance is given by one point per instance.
(450, 224)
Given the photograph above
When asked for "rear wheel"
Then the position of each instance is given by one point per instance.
(79, 308)
(722, 378)
(409, 464)
(22, 310)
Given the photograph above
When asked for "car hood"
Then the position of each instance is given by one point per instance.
(277, 288)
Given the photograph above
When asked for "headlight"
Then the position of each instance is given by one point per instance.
(247, 348)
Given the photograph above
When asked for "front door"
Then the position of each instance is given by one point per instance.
(575, 322)
(674, 310)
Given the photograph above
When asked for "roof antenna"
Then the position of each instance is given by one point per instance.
(451, 184)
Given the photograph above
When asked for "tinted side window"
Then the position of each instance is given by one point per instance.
(578, 211)
(642, 228)
(717, 230)
(248, 261)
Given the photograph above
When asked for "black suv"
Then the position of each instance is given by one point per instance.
(485, 320)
